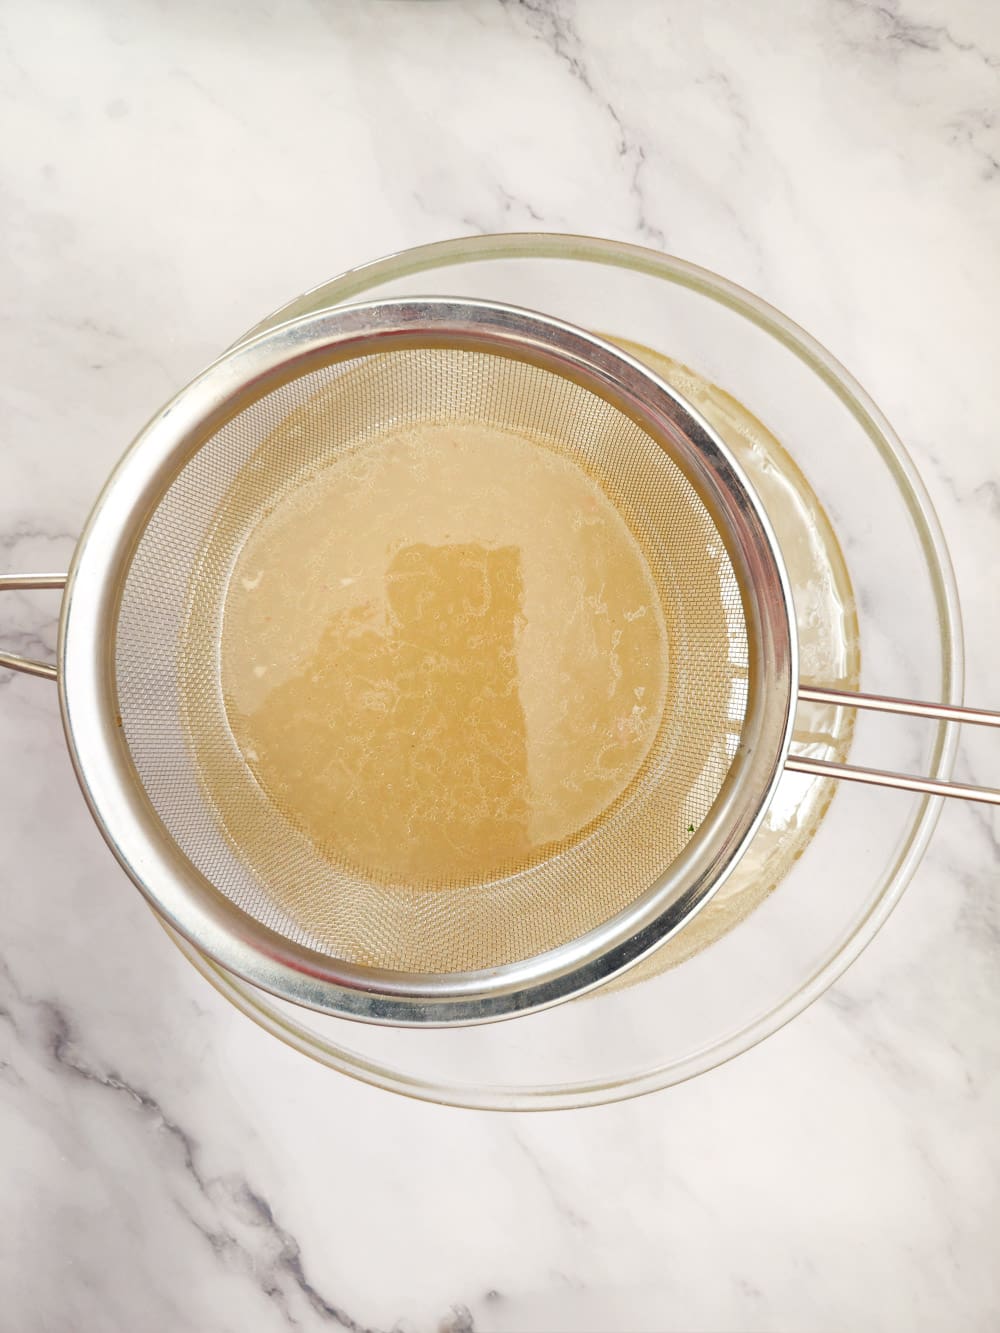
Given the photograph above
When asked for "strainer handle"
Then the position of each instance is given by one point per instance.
(23, 583)
(827, 768)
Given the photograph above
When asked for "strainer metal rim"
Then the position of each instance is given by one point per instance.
(184, 897)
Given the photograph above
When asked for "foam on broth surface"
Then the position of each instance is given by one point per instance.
(443, 653)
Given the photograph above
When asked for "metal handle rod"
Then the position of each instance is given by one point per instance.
(886, 703)
(876, 777)
(828, 768)
(25, 583)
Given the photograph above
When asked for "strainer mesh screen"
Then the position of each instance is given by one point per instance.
(167, 664)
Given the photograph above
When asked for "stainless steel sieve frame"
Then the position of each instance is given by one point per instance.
(184, 897)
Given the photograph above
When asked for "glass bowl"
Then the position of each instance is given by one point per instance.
(810, 900)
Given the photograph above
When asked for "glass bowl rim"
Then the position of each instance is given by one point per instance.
(352, 285)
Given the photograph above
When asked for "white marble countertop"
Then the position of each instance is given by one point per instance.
(170, 173)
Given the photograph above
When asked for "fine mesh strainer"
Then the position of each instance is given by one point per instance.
(147, 724)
